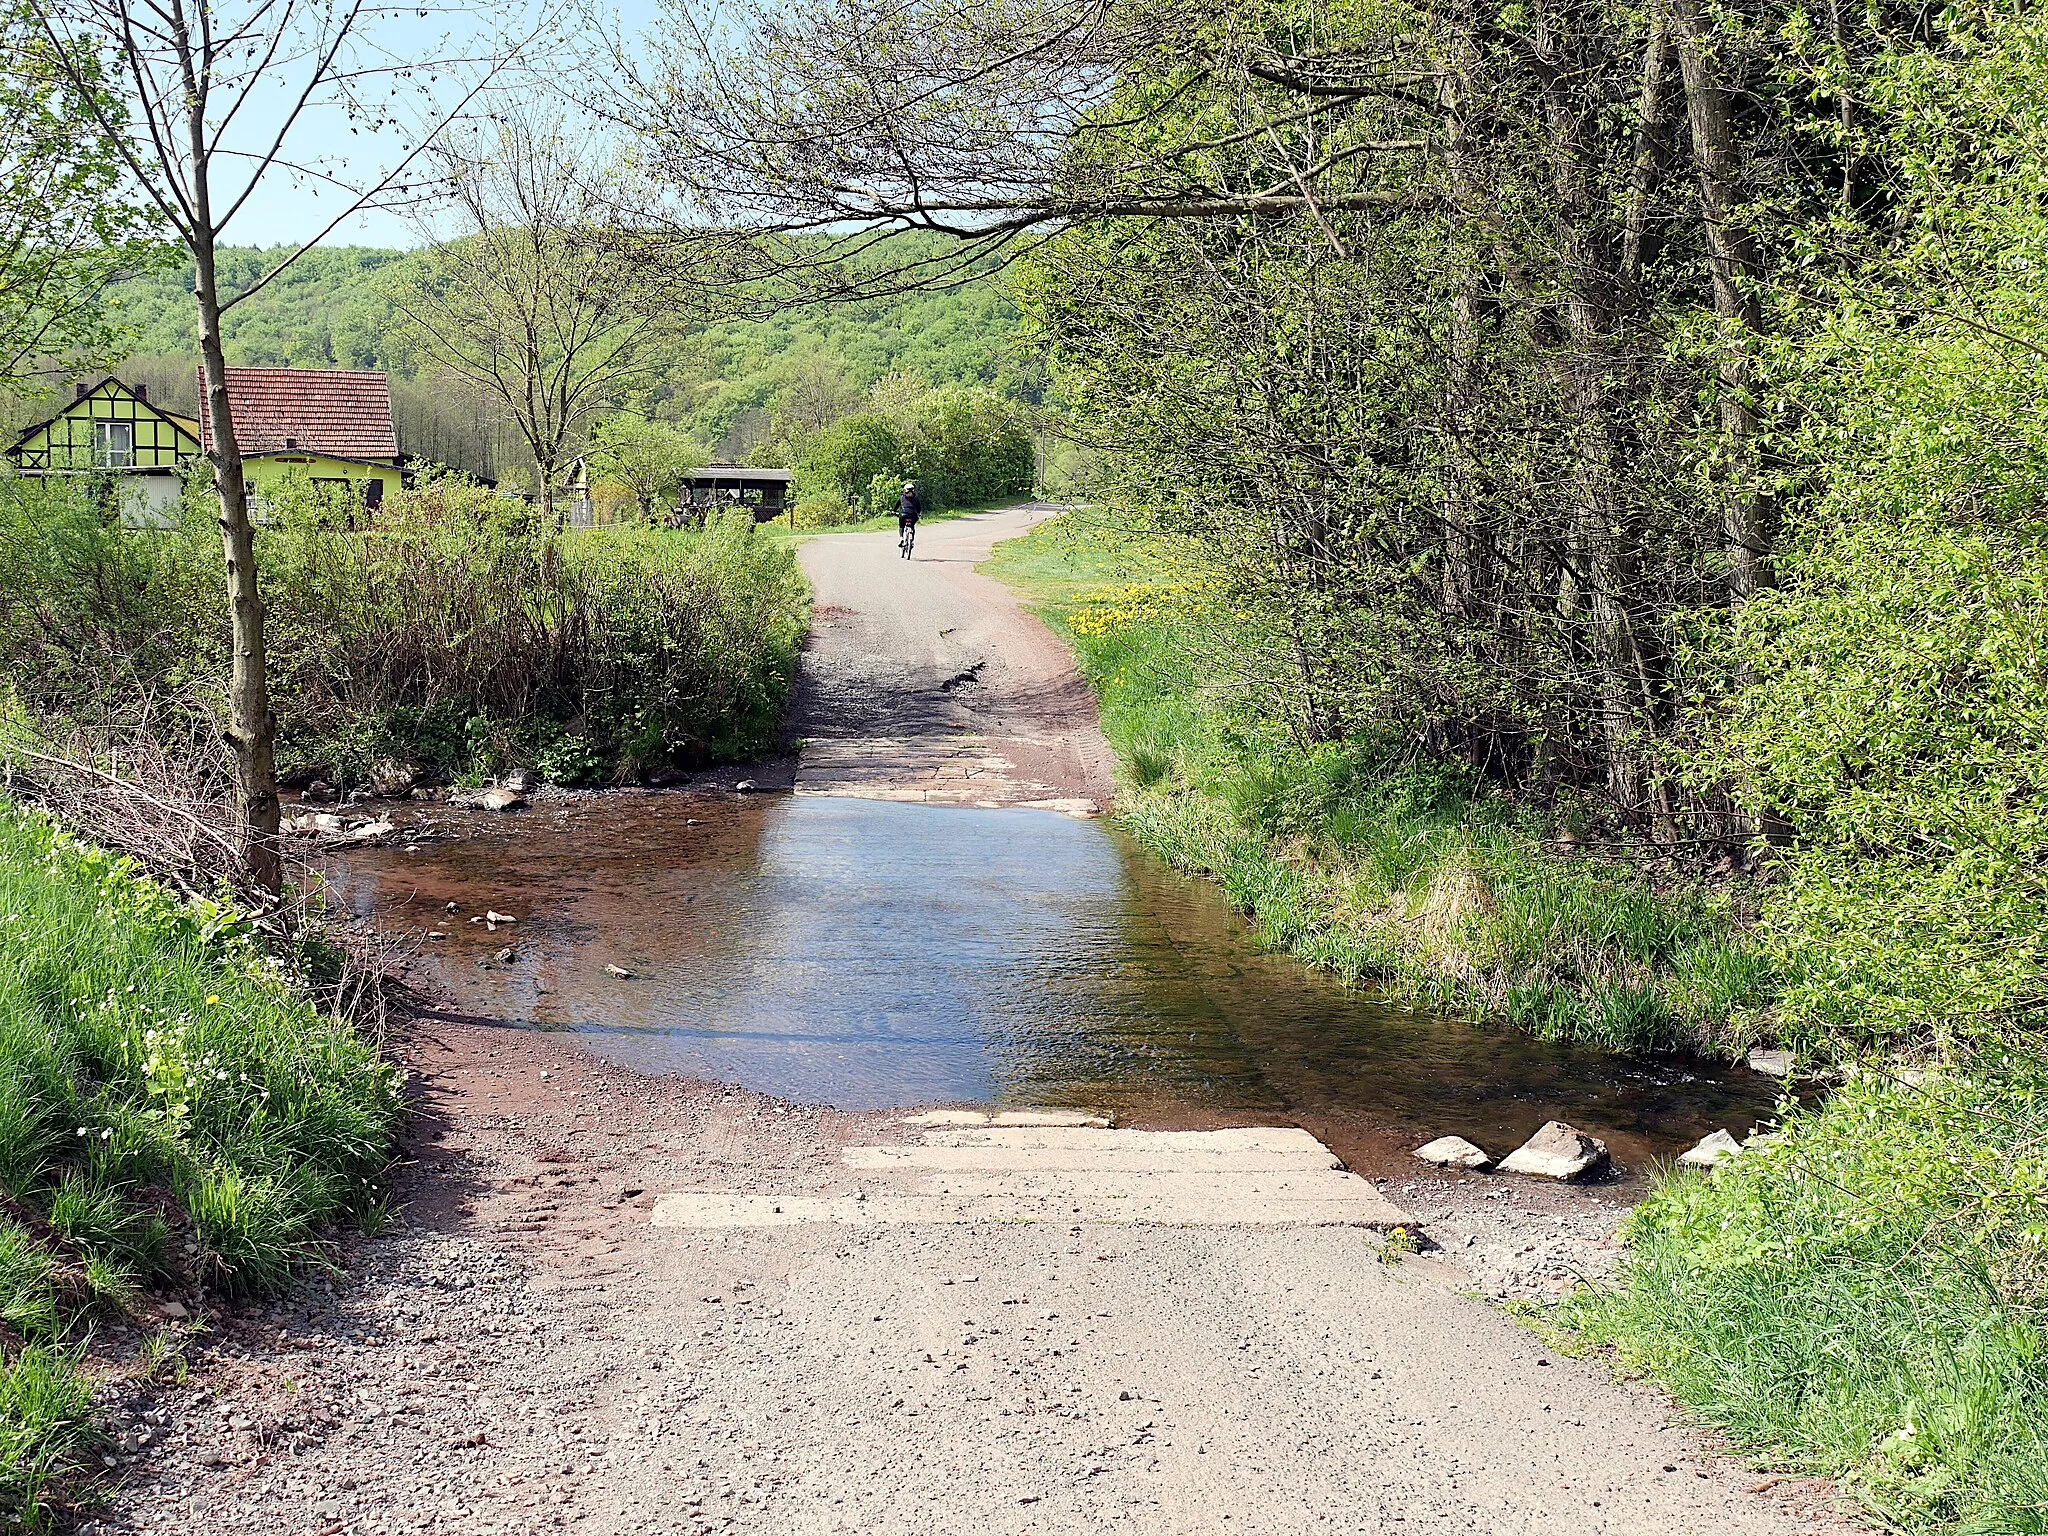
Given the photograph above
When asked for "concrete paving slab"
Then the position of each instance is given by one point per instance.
(1105, 1159)
(1023, 1137)
(714, 1210)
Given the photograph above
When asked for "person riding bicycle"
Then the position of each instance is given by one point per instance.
(908, 506)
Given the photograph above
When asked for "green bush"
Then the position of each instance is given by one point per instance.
(962, 446)
(453, 634)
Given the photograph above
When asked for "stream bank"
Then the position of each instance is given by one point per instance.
(523, 1349)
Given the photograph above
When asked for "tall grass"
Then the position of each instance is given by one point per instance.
(1868, 1296)
(172, 1112)
(1365, 862)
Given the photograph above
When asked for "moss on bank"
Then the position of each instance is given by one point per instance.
(1366, 864)
(174, 1111)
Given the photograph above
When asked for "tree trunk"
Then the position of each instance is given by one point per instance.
(1733, 256)
(1604, 534)
(252, 727)
(1644, 174)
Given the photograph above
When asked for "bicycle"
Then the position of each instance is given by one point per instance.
(906, 535)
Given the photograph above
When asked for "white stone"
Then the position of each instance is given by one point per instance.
(1453, 1152)
(1558, 1151)
(1711, 1150)
(1770, 1063)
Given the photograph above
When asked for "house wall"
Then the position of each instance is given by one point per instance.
(274, 471)
(149, 501)
(72, 441)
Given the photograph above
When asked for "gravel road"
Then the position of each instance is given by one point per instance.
(524, 1350)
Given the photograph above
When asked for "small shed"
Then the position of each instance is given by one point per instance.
(764, 491)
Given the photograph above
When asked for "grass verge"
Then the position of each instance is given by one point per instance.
(174, 1112)
(1866, 1297)
(1363, 863)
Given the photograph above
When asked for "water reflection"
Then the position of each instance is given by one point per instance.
(865, 953)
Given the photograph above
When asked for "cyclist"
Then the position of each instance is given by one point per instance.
(908, 506)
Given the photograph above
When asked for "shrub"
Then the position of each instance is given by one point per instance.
(453, 634)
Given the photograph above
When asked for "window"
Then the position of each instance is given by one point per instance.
(113, 444)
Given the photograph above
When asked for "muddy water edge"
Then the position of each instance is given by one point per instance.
(861, 954)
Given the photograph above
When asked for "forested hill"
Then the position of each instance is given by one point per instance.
(333, 308)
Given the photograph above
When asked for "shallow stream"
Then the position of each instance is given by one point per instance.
(864, 953)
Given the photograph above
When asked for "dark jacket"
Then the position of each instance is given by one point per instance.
(908, 507)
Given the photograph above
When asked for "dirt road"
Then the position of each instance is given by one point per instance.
(528, 1349)
(924, 680)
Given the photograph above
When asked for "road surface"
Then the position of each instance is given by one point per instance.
(617, 1304)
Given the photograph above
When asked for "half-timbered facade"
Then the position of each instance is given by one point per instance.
(139, 450)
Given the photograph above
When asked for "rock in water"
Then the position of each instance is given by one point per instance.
(501, 799)
(1453, 1152)
(1770, 1063)
(521, 781)
(619, 971)
(1711, 1150)
(1557, 1152)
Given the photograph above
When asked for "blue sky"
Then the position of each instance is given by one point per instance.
(289, 209)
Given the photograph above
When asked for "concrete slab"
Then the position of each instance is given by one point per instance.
(1106, 1183)
(1023, 1137)
(702, 1210)
(1057, 1166)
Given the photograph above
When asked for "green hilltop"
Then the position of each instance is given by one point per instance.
(728, 383)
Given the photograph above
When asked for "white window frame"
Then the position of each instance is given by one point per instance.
(105, 453)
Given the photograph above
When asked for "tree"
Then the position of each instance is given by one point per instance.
(214, 96)
(652, 459)
(849, 119)
(539, 302)
(68, 227)
(845, 458)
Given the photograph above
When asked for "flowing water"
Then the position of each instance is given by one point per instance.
(863, 953)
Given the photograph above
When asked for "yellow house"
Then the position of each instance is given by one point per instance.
(332, 426)
(111, 431)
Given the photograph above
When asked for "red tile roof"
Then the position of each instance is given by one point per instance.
(342, 411)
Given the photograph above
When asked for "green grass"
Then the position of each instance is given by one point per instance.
(1363, 863)
(173, 1111)
(1867, 1298)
